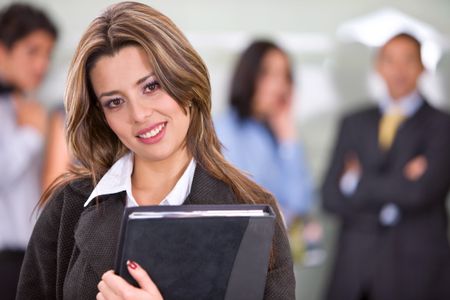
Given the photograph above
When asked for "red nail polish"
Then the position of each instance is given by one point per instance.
(132, 264)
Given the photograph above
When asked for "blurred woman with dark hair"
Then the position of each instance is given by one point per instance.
(258, 132)
(27, 37)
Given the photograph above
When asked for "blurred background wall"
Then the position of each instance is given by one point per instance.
(333, 71)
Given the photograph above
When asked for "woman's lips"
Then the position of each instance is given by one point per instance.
(152, 134)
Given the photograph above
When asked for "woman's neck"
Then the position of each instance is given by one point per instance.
(152, 181)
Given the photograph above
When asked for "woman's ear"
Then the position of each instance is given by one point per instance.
(189, 107)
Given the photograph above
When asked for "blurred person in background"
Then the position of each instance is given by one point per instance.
(259, 135)
(27, 37)
(388, 180)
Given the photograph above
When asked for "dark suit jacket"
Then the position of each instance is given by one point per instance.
(71, 246)
(409, 260)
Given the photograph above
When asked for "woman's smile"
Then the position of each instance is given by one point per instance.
(152, 134)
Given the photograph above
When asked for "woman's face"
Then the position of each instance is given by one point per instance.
(145, 118)
(26, 63)
(273, 87)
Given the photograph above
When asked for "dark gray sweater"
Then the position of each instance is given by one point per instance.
(72, 246)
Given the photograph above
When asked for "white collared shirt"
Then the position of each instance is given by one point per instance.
(118, 179)
(408, 104)
(21, 149)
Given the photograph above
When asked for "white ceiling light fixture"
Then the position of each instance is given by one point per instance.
(376, 28)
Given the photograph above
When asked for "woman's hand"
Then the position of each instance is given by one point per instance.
(113, 287)
(282, 121)
(30, 113)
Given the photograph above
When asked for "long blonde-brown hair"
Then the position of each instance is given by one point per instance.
(181, 73)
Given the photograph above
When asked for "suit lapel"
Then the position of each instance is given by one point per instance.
(409, 131)
(97, 233)
(372, 152)
(206, 189)
(406, 135)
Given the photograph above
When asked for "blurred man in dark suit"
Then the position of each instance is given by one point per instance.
(388, 181)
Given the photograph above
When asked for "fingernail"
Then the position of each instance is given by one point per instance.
(132, 264)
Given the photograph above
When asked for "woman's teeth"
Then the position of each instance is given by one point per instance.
(152, 132)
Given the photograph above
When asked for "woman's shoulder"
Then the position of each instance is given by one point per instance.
(229, 122)
(81, 186)
(62, 210)
(69, 195)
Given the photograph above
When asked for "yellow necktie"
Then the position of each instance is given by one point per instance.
(388, 128)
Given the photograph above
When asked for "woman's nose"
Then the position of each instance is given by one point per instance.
(138, 112)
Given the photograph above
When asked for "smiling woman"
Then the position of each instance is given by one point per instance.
(138, 104)
(145, 118)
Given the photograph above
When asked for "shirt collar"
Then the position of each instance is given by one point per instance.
(118, 179)
(408, 104)
(182, 188)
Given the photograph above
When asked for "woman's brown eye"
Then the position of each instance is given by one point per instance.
(152, 86)
(113, 103)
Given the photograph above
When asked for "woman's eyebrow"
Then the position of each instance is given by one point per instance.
(144, 78)
(107, 94)
(110, 93)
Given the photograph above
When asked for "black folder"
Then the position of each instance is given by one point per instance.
(199, 251)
